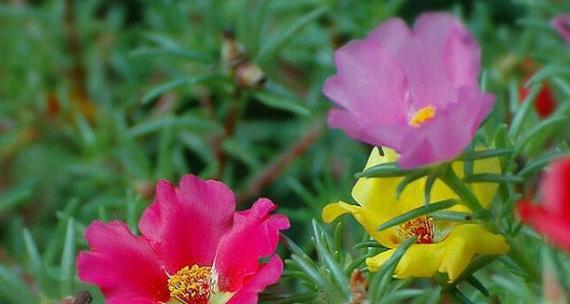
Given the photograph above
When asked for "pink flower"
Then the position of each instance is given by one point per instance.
(413, 90)
(195, 248)
(552, 217)
(562, 24)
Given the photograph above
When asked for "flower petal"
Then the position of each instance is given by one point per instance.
(555, 188)
(562, 24)
(425, 75)
(269, 274)
(368, 217)
(365, 129)
(368, 83)
(186, 224)
(466, 241)
(419, 261)
(122, 265)
(446, 40)
(553, 225)
(254, 235)
(450, 256)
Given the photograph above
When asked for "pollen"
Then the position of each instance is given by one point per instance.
(191, 285)
(422, 228)
(422, 115)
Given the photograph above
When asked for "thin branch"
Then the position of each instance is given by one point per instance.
(276, 168)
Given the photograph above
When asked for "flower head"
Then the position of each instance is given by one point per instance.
(551, 217)
(562, 24)
(441, 246)
(413, 90)
(194, 248)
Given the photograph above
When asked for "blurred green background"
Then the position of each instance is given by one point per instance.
(100, 99)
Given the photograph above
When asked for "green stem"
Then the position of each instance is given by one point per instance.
(467, 197)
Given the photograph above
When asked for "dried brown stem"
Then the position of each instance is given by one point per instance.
(276, 168)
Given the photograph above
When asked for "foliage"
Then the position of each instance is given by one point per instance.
(100, 99)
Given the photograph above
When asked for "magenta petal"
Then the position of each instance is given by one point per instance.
(254, 236)
(364, 130)
(562, 24)
(368, 83)
(424, 74)
(269, 274)
(446, 40)
(436, 68)
(449, 133)
(122, 265)
(186, 224)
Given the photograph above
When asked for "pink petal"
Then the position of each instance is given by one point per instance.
(186, 224)
(369, 82)
(451, 131)
(255, 235)
(269, 274)
(562, 24)
(424, 74)
(446, 40)
(122, 264)
(363, 129)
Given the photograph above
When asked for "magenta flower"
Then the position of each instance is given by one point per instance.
(413, 90)
(195, 249)
(562, 24)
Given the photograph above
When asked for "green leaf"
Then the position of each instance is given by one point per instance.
(413, 176)
(523, 111)
(68, 259)
(473, 281)
(188, 121)
(414, 213)
(459, 297)
(453, 216)
(387, 269)
(538, 130)
(546, 72)
(493, 178)
(172, 84)
(468, 198)
(195, 56)
(270, 48)
(14, 289)
(430, 180)
(324, 255)
(15, 196)
(282, 103)
(541, 162)
(383, 170)
(475, 155)
(34, 256)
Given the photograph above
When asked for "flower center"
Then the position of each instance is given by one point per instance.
(422, 115)
(423, 228)
(191, 285)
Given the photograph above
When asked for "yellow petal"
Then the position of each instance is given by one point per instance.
(379, 194)
(450, 256)
(419, 261)
(466, 241)
(333, 210)
(367, 218)
(483, 191)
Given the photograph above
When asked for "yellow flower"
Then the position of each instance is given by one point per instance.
(441, 246)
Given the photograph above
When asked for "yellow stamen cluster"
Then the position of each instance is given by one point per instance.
(191, 285)
(422, 115)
